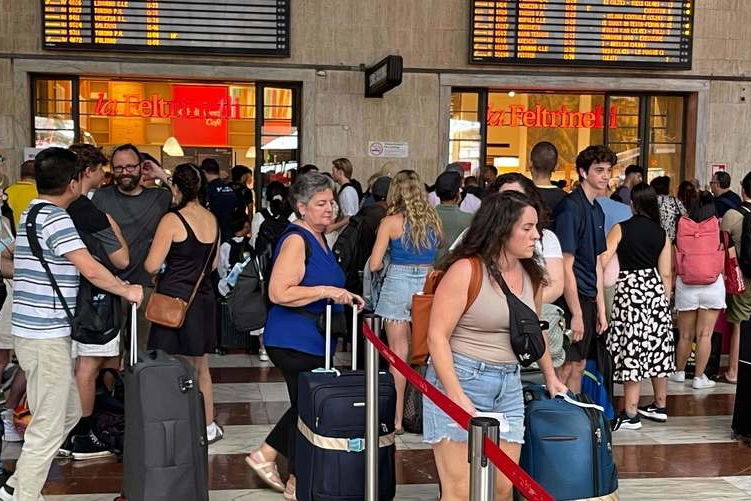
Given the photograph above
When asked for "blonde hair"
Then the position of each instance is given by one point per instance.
(407, 197)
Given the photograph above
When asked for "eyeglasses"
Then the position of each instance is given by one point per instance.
(130, 168)
(714, 182)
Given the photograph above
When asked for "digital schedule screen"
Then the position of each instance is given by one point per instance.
(257, 27)
(629, 33)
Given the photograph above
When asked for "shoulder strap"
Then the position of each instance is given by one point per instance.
(37, 252)
(475, 282)
(185, 223)
(203, 271)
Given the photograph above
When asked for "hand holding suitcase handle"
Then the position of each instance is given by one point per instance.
(568, 397)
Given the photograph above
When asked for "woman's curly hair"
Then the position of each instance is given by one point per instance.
(407, 196)
(191, 182)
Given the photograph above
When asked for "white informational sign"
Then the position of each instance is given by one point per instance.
(30, 153)
(388, 149)
(718, 167)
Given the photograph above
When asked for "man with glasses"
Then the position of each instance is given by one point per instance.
(724, 198)
(138, 211)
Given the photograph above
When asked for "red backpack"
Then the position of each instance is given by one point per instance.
(699, 257)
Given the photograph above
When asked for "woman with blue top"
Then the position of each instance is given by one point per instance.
(411, 233)
(305, 275)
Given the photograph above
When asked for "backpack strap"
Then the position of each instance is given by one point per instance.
(36, 251)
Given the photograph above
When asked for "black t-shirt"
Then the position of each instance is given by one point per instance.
(221, 201)
(95, 230)
(243, 193)
(372, 216)
(552, 196)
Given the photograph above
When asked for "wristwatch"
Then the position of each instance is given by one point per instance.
(544, 325)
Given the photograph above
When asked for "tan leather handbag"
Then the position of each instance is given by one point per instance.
(170, 311)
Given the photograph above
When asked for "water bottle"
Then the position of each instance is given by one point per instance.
(236, 269)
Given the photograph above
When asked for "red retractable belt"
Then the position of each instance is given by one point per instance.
(528, 487)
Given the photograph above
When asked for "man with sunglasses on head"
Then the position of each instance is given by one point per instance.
(138, 211)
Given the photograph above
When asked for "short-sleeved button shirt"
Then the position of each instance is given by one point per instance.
(580, 228)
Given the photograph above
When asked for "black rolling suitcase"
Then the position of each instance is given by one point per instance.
(742, 412)
(165, 455)
(330, 454)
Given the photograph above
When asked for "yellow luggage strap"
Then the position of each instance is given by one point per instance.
(340, 444)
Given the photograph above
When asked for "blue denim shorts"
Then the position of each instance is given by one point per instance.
(400, 284)
(491, 388)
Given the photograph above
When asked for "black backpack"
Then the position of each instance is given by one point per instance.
(271, 229)
(349, 253)
(98, 313)
(248, 301)
(744, 259)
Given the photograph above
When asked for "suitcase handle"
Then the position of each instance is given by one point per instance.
(133, 335)
(573, 401)
(327, 366)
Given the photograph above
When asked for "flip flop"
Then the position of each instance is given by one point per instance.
(269, 476)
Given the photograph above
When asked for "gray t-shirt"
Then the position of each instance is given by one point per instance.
(138, 217)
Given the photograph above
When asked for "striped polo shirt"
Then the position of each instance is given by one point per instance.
(37, 312)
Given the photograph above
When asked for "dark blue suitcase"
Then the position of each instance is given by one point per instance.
(567, 446)
(330, 454)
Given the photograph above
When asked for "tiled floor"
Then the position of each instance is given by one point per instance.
(691, 457)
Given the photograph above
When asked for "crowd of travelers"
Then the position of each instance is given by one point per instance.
(604, 271)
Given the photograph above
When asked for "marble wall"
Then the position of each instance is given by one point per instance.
(338, 36)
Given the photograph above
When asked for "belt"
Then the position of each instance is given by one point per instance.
(340, 444)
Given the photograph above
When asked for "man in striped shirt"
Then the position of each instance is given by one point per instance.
(40, 326)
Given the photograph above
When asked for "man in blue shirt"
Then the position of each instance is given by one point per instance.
(724, 198)
(579, 225)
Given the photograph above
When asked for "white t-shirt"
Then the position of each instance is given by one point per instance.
(37, 312)
(470, 204)
(349, 202)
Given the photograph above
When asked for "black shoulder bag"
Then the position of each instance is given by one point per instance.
(98, 316)
(525, 328)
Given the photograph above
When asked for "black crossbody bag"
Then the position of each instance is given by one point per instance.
(525, 327)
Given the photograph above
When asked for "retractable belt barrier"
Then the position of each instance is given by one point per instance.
(526, 485)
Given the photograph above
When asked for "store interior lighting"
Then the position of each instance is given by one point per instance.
(506, 162)
(172, 147)
(251, 153)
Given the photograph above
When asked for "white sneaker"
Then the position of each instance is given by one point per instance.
(214, 433)
(678, 377)
(11, 434)
(263, 355)
(702, 383)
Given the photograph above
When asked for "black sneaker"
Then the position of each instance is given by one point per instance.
(651, 411)
(66, 450)
(622, 421)
(89, 447)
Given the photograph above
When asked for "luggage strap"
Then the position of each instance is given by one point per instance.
(340, 444)
(567, 398)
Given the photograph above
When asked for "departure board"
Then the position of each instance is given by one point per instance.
(629, 33)
(258, 27)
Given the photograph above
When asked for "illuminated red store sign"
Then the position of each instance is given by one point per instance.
(194, 106)
(538, 116)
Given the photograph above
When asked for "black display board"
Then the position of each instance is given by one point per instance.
(628, 33)
(255, 27)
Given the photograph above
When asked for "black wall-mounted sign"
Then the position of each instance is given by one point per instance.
(254, 27)
(618, 33)
(383, 76)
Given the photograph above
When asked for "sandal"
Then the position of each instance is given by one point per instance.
(266, 470)
(290, 491)
(726, 379)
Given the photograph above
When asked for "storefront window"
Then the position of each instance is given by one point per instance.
(514, 122)
(54, 121)
(666, 137)
(205, 119)
(465, 140)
